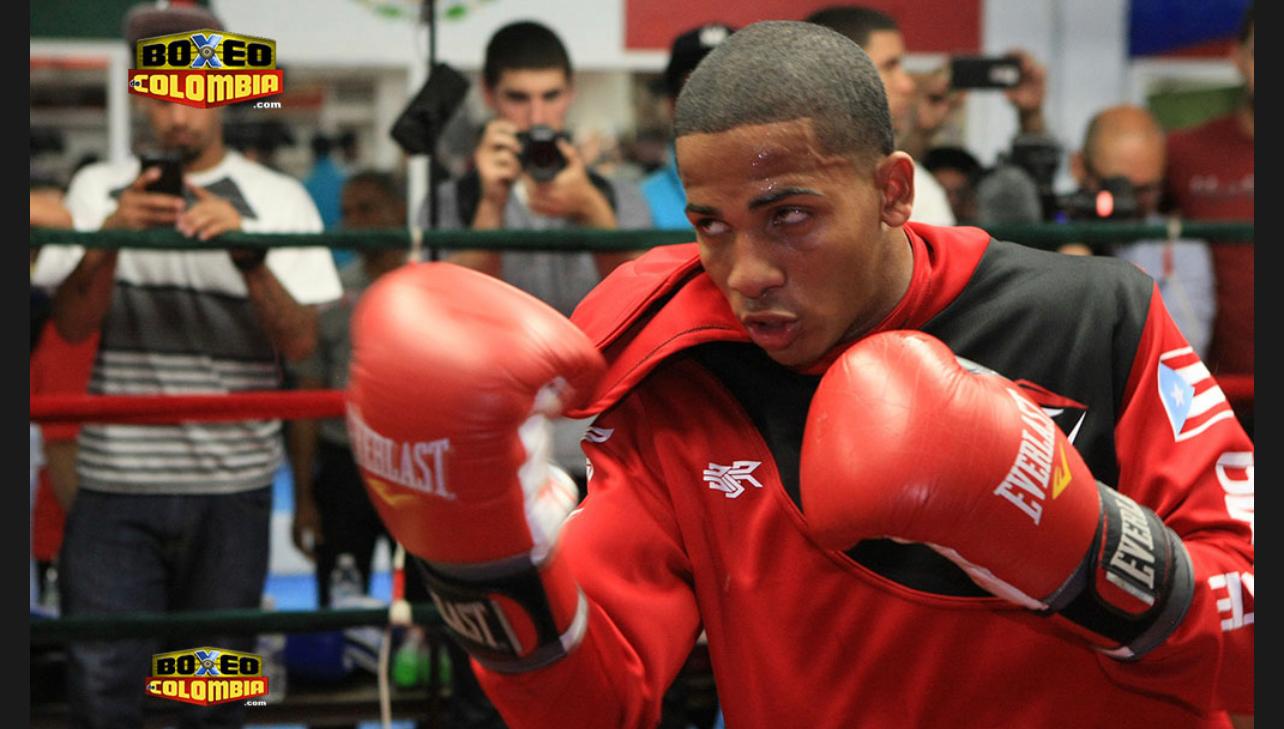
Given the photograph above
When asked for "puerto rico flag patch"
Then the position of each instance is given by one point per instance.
(1192, 400)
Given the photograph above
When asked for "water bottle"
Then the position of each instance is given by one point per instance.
(271, 647)
(49, 593)
(346, 584)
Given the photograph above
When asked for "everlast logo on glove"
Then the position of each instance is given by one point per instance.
(509, 625)
(419, 465)
(1026, 485)
(476, 622)
(1129, 550)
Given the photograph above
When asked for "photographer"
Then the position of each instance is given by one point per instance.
(528, 176)
(1123, 157)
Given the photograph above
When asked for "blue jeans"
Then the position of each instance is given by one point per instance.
(123, 554)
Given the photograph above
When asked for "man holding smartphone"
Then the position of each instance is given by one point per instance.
(916, 122)
(176, 517)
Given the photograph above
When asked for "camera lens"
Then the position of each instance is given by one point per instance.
(540, 155)
(544, 154)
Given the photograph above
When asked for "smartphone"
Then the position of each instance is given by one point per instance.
(984, 72)
(171, 167)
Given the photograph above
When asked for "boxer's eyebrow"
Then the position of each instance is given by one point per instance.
(780, 194)
(757, 202)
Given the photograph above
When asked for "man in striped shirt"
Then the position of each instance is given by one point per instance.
(176, 517)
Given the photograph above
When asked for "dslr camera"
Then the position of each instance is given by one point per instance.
(540, 156)
(1039, 156)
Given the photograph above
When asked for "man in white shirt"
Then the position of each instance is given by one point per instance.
(176, 517)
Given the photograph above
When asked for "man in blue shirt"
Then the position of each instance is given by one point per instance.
(662, 188)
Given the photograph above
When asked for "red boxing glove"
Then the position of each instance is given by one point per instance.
(903, 441)
(453, 376)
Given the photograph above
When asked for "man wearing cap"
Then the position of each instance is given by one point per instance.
(663, 188)
(176, 517)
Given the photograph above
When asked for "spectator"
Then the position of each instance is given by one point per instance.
(1018, 188)
(348, 149)
(527, 81)
(662, 188)
(957, 172)
(878, 34)
(176, 517)
(325, 180)
(919, 113)
(1126, 142)
(324, 184)
(56, 367)
(1210, 177)
(332, 514)
(1005, 193)
(934, 103)
(935, 100)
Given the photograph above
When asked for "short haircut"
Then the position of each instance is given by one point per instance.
(777, 71)
(524, 45)
(853, 21)
(1246, 25)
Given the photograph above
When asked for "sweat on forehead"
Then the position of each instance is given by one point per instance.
(774, 152)
(777, 71)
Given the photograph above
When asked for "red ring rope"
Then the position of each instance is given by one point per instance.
(157, 409)
(289, 405)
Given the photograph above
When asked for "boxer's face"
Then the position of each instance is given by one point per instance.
(799, 240)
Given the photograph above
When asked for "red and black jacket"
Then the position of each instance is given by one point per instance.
(693, 521)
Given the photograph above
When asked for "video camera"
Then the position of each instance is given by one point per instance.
(1039, 156)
